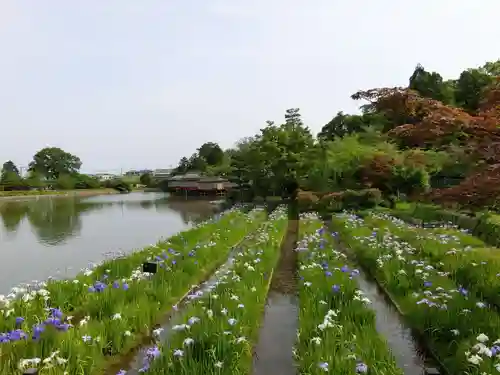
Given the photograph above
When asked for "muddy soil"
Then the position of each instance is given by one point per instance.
(285, 275)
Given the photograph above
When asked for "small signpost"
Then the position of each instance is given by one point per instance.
(150, 267)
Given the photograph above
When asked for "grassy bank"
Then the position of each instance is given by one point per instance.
(84, 325)
(70, 193)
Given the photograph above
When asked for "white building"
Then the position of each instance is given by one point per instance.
(162, 173)
(105, 176)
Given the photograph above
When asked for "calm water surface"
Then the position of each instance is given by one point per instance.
(57, 236)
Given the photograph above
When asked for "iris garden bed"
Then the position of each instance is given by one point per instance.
(337, 331)
(468, 260)
(461, 330)
(79, 326)
(216, 332)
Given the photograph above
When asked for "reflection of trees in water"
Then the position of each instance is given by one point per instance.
(190, 211)
(54, 220)
(12, 214)
(146, 204)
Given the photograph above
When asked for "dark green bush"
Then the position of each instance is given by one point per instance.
(338, 201)
(361, 199)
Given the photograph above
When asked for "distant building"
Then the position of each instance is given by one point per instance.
(194, 183)
(162, 173)
(138, 172)
(105, 176)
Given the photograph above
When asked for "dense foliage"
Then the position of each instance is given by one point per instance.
(435, 139)
(53, 168)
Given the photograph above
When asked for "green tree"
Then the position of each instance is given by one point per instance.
(183, 166)
(293, 116)
(342, 125)
(469, 88)
(11, 180)
(197, 163)
(431, 85)
(9, 166)
(52, 162)
(10, 176)
(211, 152)
(492, 67)
(66, 182)
(279, 154)
(146, 179)
(34, 180)
(83, 181)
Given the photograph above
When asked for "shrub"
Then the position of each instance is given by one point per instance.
(66, 182)
(361, 199)
(338, 201)
(117, 184)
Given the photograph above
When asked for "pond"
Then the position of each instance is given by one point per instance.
(57, 236)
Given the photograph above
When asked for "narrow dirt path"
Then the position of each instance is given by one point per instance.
(285, 276)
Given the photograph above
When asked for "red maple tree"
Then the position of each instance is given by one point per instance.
(427, 123)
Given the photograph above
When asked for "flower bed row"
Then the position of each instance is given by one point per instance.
(81, 325)
(337, 331)
(216, 332)
(458, 327)
(464, 256)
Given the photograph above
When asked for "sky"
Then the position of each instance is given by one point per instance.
(132, 84)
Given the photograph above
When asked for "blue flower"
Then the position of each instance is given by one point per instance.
(361, 368)
(56, 313)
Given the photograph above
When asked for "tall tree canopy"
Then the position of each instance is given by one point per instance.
(52, 162)
(431, 85)
(211, 153)
(10, 174)
(9, 167)
(402, 139)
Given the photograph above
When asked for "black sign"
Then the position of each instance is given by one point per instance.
(150, 267)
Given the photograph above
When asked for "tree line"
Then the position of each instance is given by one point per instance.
(53, 168)
(434, 139)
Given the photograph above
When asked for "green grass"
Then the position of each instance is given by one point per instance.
(455, 322)
(27, 193)
(108, 323)
(337, 332)
(24, 193)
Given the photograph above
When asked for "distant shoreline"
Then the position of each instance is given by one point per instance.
(58, 193)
